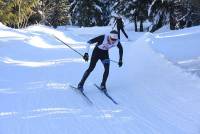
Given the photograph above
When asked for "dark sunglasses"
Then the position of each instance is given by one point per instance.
(113, 39)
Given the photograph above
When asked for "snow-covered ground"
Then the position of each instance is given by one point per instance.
(181, 47)
(155, 96)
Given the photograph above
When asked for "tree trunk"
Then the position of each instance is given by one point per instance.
(172, 23)
(135, 22)
(19, 10)
(141, 25)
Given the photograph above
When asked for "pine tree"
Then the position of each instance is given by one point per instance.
(142, 12)
(162, 12)
(135, 11)
(17, 12)
(106, 12)
(182, 13)
(88, 12)
(177, 13)
(59, 14)
(1, 9)
(54, 12)
(195, 13)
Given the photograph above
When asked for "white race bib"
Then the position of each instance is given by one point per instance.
(105, 45)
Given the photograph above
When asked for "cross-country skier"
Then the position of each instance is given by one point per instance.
(100, 52)
(120, 25)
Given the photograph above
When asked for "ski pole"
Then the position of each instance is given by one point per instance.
(114, 61)
(68, 46)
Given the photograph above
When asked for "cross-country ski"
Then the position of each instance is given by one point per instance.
(106, 94)
(82, 93)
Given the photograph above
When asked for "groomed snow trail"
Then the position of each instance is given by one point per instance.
(155, 96)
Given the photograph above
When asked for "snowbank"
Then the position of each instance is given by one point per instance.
(178, 45)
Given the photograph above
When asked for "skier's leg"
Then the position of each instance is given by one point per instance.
(106, 64)
(92, 65)
(118, 30)
(124, 32)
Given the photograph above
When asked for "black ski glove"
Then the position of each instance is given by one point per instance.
(86, 57)
(120, 63)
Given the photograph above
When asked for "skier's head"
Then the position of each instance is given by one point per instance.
(113, 35)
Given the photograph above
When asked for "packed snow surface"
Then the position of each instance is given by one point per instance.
(155, 96)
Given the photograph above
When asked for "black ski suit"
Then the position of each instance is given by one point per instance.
(120, 26)
(100, 52)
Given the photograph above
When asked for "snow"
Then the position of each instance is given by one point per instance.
(181, 47)
(155, 96)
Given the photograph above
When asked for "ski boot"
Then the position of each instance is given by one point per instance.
(103, 88)
(80, 87)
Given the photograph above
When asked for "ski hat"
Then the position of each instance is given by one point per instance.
(114, 34)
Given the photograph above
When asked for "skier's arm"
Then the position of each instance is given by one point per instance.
(120, 54)
(94, 40)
